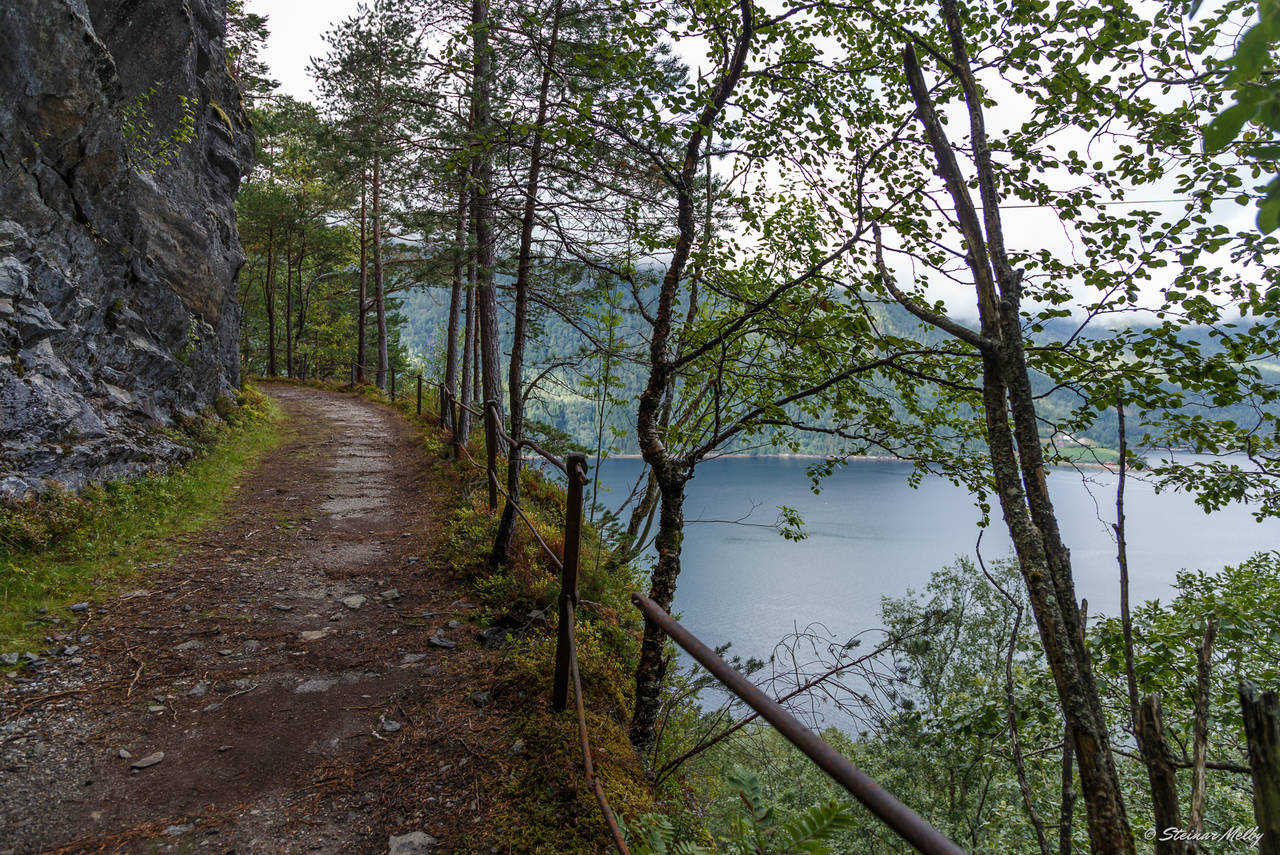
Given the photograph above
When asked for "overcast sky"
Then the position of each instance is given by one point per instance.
(296, 29)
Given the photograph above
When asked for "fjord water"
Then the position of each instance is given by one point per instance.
(871, 535)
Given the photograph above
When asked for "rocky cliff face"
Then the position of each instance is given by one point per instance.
(122, 144)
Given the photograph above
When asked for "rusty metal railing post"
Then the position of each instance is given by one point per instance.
(419, 394)
(491, 451)
(576, 463)
(392, 370)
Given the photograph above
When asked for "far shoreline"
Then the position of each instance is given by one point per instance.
(861, 458)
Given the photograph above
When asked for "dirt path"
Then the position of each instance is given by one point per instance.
(294, 666)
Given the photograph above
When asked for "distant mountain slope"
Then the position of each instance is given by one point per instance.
(562, 407)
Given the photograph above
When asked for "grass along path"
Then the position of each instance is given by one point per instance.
(62, 549)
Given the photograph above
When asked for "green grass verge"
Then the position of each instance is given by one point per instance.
(60, 548)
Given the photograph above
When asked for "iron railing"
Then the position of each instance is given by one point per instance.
(901, 819)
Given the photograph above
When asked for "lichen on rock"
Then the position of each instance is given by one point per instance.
(122, 146)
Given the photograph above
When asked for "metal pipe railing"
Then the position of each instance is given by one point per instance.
(901, 819)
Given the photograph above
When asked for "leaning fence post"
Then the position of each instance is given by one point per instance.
(392, 370)
(577, 466)
(444, 412)
(1262, 729)
(419, 394)
(491, 451)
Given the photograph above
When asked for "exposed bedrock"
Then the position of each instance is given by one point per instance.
(122, 145)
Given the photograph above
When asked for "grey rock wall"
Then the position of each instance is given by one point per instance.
(122, 144)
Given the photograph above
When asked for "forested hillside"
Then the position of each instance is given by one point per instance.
(568, 398)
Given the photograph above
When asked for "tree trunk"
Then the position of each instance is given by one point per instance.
(476, 387)
(300, 329)
(515, 382)
(1200, 731)
(268, 296)
(670, 471)
(652, 667)
(288, 313)
(1162, 775)
(456, 294)
(1017, 458)
(1262, 729)
(468, 348)
(482, 206)
(379, 295)
(364, 288)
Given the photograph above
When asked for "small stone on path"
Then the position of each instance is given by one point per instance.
(493, 638)
(390, 594)
(454, 624)
(413, 843)
(442, 642)
(124, 754)
(481, 698)
(148, 761)
(316, 634)
(316, 685)
(390, 726)
(8, 659)
(175, 830)
(79, 607)
(354, 601)
(193, 644)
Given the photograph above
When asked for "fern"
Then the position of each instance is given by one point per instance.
(809, 831)
(653, 834)
(748, 786)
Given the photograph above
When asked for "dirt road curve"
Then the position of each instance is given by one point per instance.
(292, 666)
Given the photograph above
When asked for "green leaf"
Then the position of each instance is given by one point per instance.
(1252, 53)
(1225, 128)
(1269, 214)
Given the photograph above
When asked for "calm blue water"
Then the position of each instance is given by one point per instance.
(871, 535)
